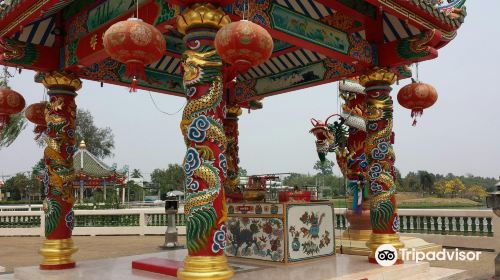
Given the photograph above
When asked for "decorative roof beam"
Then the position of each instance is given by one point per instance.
(304, 32)
(317, 73)
(25, 55)
(21, 13)
(410, 50)
(89, 48)
(113, 72)
(358, 10)
(321, 72)
(422, 16)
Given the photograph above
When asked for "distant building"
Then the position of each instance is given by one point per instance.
(91, 174)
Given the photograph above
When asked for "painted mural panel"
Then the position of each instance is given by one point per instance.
(308, 29)
(255, 238)
(292, 78)
(310, 231)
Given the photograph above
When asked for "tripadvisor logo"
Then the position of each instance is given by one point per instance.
(443, 255)
(387, 255)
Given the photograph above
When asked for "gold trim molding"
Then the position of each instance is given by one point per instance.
(205, 268)
(61, 80)
(202, 15)
(234, 111)
(380, 239)
(57, 252)
(381, 75)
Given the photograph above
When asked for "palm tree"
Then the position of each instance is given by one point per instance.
(136, 173)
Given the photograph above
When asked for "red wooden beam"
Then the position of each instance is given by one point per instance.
(347, 11)
(375, 31)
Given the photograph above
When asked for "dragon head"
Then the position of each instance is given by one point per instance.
(198, 66)
(324, 138)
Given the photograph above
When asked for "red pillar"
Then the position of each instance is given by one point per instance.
(205, 163)
(231, 130)
(381, 157)
(60, 116)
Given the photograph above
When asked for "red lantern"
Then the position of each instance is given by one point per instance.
(134, 43)
(417, 97)
(35, 113)
(243, 44)
(11, 102)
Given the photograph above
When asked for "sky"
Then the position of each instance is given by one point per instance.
(459, 134)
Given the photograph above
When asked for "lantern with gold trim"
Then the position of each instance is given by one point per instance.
(136, 44)
(35, 113)
(11, 102)
(417, 96)
(243, 44)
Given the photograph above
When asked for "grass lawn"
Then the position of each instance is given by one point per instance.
(412, 200)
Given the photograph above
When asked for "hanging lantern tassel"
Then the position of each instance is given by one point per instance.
(39, 130)
(4, 120)
(416, 113)
(133, 85)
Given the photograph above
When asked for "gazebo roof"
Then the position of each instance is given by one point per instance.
(87, 164)
(315, 41)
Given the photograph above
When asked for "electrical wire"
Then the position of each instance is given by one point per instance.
(161, 111)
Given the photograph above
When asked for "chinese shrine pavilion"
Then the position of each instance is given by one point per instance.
(91, 173)
(222, 56)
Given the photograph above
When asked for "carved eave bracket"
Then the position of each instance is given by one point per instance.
(410, 50)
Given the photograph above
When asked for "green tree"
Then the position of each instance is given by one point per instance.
(169, 179)
(99, 141)
(325, 167)
(399, 179)
(426, 180)
(135, 191)
(18, 186)
(410, 182)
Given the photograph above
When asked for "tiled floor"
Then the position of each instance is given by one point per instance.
(341, 267)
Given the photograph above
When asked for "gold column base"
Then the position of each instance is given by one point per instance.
(210, 268)
(57, 254)
(380, 239)
(357, 234)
